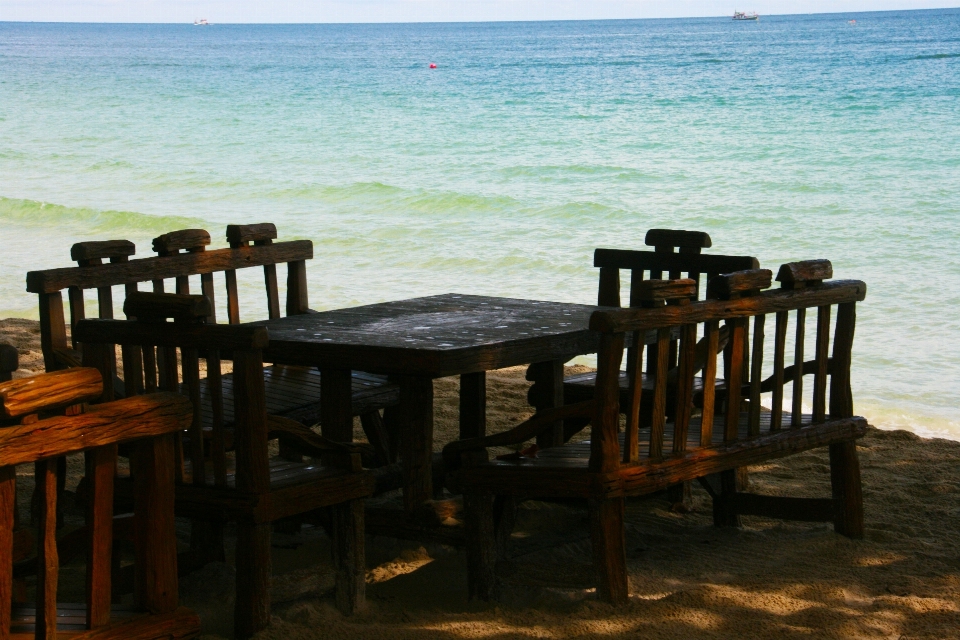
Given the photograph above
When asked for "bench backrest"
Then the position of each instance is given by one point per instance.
(181, 254)
(734, 299)
(24, 438)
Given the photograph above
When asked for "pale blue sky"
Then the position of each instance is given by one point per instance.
(419, 10)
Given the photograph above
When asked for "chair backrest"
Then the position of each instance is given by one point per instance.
(182, 254)
(191, 335)
(149, 423)
(733, 299)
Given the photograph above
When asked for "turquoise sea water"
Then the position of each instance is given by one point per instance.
(500, 171)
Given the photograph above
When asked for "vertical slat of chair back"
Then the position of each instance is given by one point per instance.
(653, 294)
(734, 286)
(259, 234)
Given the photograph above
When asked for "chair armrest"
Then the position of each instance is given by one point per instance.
(305, 440)
(521, 433)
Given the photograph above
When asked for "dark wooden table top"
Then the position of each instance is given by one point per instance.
(434, 336)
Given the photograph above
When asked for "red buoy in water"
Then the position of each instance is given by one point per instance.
(433, 65)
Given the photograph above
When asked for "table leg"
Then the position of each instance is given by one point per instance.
(473, 405)
(336, 415)
(416, 439)
(547, 393)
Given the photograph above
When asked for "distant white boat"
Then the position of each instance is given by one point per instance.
(740, 15)
(202, 22)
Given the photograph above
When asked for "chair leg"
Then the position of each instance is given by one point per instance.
(847, 489)
(348, 556)
(481, 543)
(609, 549)
(723, 513)
(377, 436)
(252, 612)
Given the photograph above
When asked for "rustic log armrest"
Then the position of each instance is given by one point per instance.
(540, 422)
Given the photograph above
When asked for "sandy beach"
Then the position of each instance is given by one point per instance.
(688, 579)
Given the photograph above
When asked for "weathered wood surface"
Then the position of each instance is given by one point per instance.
(116, 422)
(238, 234)
(724, 286)
(127, 623)
(49, 391)
(145, 305)
(436, 336)
(184, 239)
(805, 271)
(158, 268)
(677, 238)
(834, 292)
(651, 290)
(650, 260)
(202, 336)
(101, 250)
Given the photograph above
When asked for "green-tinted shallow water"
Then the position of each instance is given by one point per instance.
(500, 171)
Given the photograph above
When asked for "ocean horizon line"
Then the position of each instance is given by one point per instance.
(475, 22)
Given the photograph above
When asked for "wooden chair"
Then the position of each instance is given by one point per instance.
(643, 460)
(34, 429)
(182, 255)
(675, 252)
(215, 484)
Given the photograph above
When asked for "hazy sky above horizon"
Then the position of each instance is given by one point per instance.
(418, 10)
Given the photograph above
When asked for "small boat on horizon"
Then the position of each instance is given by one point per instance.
(202, 22)
(740, 15)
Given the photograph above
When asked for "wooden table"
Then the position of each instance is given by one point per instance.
(420, 339)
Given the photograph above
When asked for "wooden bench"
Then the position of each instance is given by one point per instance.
(182, 255)
(147, 424)
(215, 484)
(675, 253)
(730, 430)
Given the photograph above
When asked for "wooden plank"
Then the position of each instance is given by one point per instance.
(725, 286)
(783, 508)
(183, 239)
(604, 449)
(779, 356)
(144, 305)
(217, 442)
(711, 333)
(810, 271)
(49, 391)
(798, 367)
(169, 335)
(481, 545)
(841, 396)
(190, 366)
(659, 415)
(609, 290)
(252, 611)
(348, 556)
(847, 489)
(101, 465)
(651, 290)
(651, 260)
(547, 393)
(8, 506)
(416, 439)
(756, 374)
(609, 550)
(101, 250)
(273, 295)
(155, 540)
(685, 374)
(253, 471)
(77, 311)
(297, 301)
(473, 405)
(115, 422)
(238, 234)
(233, 297)
(48, 566)
(53, 330)
(677, 238)
(631, 449)
(822, 360)
(734, 378)
(207, 288)
(161, 267)
(834, 292)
